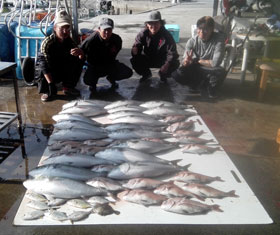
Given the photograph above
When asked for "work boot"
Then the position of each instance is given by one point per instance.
(145, 77)
(46, 97)
(212, 92)
(114, 85)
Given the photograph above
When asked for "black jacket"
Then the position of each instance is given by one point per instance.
(101, 53)
(159, 47)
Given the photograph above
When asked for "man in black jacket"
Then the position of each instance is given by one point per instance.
(59, 60)
(158, 47)
(101, 49)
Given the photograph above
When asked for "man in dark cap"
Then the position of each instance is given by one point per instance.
(154, 47)
(200, 69)
(59, 60)
(101, 49)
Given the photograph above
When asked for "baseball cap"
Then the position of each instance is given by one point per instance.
(154, 16)
(106, 23)
(62, 18)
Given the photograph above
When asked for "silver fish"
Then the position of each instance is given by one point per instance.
(103, 169)
(199, 149)
(56, 215)
(76, 160)
(132, 108)
(121, 114)
(188, 207)
(98, 199)
(174, 118)
(57, 145)
(38, 205)
(156, 104)
(172, 190)
(188, 176)
(77, 135)
(86, 110)
(126, 134)
(121, 155)
(78, 215)
(78, 203)
(62, 188)
(142, 183)
(74, 117)
(93, 103)
(166, 111)
(181, 126)
(56, 202)
(145, 146)
(121, 103)
(105, 183)
(33, 215)
(76, 124)
(129, 170)
(142, 197)
(120, 126)
(98, 143)
(207, 191)
(58, 170)
(35, 196)
(148, 121)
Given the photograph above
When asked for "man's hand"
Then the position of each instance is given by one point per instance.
(188, 59)
(134, 51)
(77, 52)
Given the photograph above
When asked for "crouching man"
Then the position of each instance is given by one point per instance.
(101, 49)
(200, 69)
(59, 60)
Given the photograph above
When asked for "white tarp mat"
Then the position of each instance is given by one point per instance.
(245, 209)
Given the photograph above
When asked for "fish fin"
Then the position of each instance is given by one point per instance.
(216, 208)
(218, 178)
(175, 162)
(232, 193)
(186, 167)
(198, 197)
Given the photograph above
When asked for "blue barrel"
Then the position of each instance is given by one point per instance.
(30, 33)
(6, 45)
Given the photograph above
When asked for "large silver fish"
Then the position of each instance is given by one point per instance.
(93, 103)
(121, 114)
(132, 108)
(142, 197)
(58, 170)
(145, 146)
(129, 170)
(120, 126)
(76, 124)
(121, 155)
(126, 134)
(121, 103)
(77, 135)
(74, 117)
(188, 207)
(62, 188)
(85, 110)
(166, 111)
(76, 160)
(148, 121)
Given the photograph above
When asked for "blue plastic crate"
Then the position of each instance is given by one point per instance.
(174, 29)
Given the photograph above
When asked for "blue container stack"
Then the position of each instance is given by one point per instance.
(174, 29)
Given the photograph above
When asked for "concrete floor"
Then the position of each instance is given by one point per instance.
(245, 128)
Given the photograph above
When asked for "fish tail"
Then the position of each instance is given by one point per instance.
(232, 193)
(216, 208)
